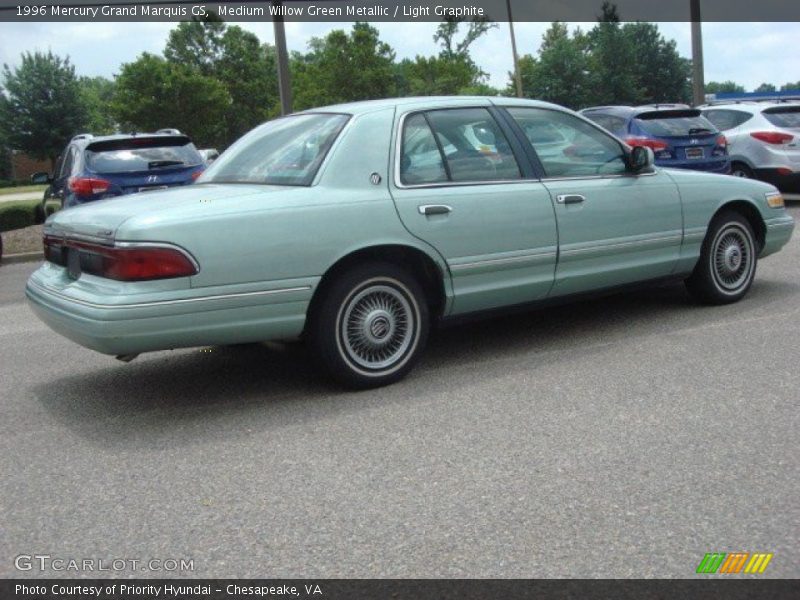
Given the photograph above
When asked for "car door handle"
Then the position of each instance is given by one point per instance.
(434, 209)
(570, 198)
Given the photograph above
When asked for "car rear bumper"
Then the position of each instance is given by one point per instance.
(789, 183)
(127, 325)
(722, 167)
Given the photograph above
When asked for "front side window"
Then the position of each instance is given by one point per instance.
(459, 145)
(580, 150)
(286, 151)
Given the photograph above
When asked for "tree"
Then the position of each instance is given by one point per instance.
(611, 57)
(560, 74)
(344, 67)
(197, 43)
(790, 86)
(715, 87)
(765, 88)
(41, 107)
(97, 93)
(152, 93)
(659, 72)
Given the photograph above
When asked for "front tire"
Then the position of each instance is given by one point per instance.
(370, 326)
(727, 262)
(742, 170)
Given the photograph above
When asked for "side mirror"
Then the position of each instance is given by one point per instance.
(40, 178)
(641, 158)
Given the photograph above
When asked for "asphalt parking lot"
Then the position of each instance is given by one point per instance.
(620, 437)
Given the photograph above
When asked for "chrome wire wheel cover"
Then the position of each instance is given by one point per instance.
(732, 258)
(377, 326)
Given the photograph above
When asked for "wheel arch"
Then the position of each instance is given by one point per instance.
(749, 211)
(429, 272)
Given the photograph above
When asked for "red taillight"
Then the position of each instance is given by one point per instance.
(655, 145)
(87, 186)
(772, 137)
(721, 141)
(196, 174)
(123, 263)
(784, 171)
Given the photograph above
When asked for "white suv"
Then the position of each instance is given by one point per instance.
(762, 140)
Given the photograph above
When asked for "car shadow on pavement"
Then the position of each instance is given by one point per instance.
(190, 396)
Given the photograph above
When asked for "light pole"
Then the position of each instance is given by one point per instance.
(698, 83)
(284, 81)
(517, 77)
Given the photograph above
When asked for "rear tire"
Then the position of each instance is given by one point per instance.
(727, 262)
(371, 325)
(742, 170)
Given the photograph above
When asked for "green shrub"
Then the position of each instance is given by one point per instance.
(16, 215)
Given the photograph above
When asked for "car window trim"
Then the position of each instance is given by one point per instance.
(398, 150)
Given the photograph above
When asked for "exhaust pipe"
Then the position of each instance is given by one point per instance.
(126, 358)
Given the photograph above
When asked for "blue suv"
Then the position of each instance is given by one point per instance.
(680, 137)
(92, 168)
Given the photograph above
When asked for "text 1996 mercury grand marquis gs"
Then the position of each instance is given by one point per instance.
(356, 226)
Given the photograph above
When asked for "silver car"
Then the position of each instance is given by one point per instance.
(762, 140)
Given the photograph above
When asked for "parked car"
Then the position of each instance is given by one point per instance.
(340, 225)
(96, 167)
(762, 140)
(679, 136)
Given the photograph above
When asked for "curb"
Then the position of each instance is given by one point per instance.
(22, 257)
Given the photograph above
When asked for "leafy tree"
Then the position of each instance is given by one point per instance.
(659, 72)
(97, 94)
(765, 88)
(438, 76)
(41, 107)
(716, 87)
(790, 86)
(447, 31)
(611, 57)
(560, 74)
(344, 67)
(197, 43)
(152, 93)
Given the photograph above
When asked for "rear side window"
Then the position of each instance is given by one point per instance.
(785, 116)
(616, 125)
(141, 154)
(724, 119)
(670, 123)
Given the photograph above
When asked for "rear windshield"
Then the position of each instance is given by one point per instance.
(286, 151)
(141, 154)
(669, 123)
(785, 116)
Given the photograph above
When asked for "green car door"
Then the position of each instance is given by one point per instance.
(463, 185)
(614, 226)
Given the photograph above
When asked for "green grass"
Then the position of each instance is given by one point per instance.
(22, 189)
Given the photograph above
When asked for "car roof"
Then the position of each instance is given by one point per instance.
(747, 106)
(423, 102)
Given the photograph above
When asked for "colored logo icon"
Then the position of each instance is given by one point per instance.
(734, 562)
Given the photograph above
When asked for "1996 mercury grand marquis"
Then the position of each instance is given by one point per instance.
(356, 226)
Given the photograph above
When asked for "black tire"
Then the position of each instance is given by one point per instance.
(742, 170)
(728, 260)
(370, 326)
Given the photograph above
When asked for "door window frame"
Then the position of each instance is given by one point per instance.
(528, 171)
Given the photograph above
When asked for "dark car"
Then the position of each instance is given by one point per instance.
(680, 137)
(92, 168)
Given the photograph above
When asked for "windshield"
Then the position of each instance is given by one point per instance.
(286, 151)
(141, 154)
(668, 123)
(788, 116)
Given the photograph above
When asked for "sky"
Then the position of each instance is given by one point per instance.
(747, 53)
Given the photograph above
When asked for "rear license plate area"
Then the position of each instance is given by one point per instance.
(695, 153)
(73, 263)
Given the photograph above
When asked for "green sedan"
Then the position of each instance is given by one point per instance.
(358, 226)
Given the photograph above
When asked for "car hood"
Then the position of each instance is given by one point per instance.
(102, 218)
